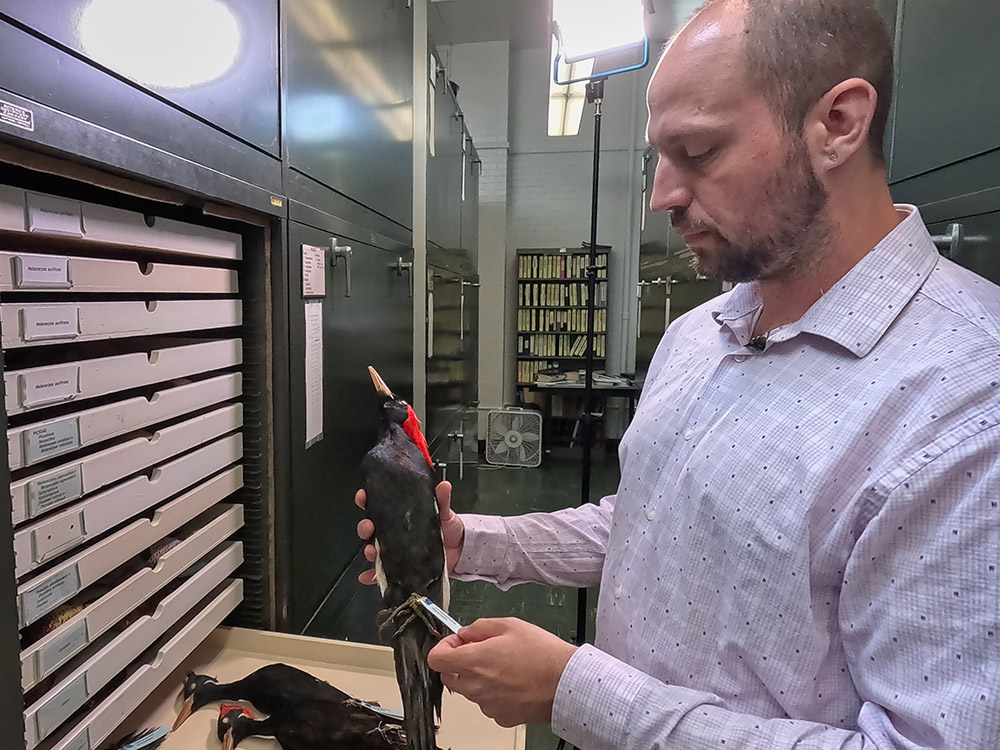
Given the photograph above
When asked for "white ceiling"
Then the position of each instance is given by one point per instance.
(525, 23)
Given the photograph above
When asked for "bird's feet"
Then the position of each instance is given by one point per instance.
(414, 610)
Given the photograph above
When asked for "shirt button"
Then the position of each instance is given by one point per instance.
(688, 434)
(740, 357)
(618, 592)
(650, 514)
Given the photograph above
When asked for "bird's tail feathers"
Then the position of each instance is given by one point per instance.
(419, 685)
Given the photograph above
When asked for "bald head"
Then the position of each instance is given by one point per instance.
(791, 52)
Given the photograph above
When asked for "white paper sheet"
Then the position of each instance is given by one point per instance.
(314, 371)
(313, 271)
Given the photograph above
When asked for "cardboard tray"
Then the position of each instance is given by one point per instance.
(364, 671)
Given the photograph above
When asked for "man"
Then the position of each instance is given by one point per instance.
(802, 551)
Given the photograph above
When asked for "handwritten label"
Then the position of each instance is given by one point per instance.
(49, 385)
(62, 648)
(55, 490)
(50, 215)
(50, 440)
(80, 743)
(49, 594)
(19, 117)
(313, 271)
(56, 322)
(41, 272)
(61, 706)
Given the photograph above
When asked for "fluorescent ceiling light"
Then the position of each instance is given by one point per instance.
(164, 44)
(566, 102)
(588, 28)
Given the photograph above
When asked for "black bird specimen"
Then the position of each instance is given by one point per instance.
(274, 689)
(314, 725)
(410, 564)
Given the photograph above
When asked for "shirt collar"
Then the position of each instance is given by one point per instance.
(860, 307)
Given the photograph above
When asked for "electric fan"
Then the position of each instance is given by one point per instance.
(514, 438)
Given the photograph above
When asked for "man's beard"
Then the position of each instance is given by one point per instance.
(790, 238)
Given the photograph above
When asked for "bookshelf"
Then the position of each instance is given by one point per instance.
(552, 310)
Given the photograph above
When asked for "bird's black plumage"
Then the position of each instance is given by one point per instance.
(273, 689)
(399, 489)
(315, 725)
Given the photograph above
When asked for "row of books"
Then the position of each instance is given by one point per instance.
(531, 294)
(560, 321)
(557, 345)
(541, 266)
(527, 372)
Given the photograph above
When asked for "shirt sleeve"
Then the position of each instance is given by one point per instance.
(564, 548)
(918, 611)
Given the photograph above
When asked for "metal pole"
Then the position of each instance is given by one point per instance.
(595, 94)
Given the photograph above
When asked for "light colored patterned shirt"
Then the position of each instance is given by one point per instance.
(803, 548)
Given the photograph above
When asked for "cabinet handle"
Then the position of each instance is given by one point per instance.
(460, 436)
(951, 244)
(347, 254)
(407, 266)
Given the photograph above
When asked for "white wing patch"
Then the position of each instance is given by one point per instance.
(445, 581)
(379, 572)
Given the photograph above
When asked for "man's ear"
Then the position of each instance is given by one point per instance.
(837, 126)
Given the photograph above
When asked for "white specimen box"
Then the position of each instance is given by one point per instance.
(96, 670)
(50, 652)
(37, 387)
(41, 542)
(40, 493)
(49, 215)
(45, 323)
(95, 726)
(41, 441)
(42, 593)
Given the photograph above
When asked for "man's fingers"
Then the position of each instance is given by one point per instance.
(359, 499)
(483, 629)
(443, 494)
(367, 577)
(370, 553)
(366, 530)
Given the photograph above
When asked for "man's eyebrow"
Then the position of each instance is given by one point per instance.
(689, 131)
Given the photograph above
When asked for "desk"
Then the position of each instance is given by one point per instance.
(599, 390)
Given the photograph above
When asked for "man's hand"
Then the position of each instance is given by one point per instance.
(511, 668)
(452, 529)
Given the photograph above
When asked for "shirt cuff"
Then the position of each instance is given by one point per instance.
(484, 548)
(593, 700)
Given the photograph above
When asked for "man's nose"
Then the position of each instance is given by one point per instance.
(669, 190)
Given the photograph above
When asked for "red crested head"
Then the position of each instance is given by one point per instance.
(412, 428)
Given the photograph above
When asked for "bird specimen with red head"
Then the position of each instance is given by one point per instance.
(410, 563)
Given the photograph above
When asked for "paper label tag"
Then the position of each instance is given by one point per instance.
(62, 322)
(82, 742)
(62, 648)
(50, 440)
(61, 706)
(440, 615)
(387, 712)
(41, 272)
(49, 386)
(19, 117)
(49, 594)
(55, 490)
(313, 271)
(50, 215)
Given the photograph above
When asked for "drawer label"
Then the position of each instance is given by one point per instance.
(51, 215)
(39, 323)
(49, 386)
(55, 490)
(19, 117)
(49, 594)
(61, 706)
(41, 272)
(50, 440)
(82, 742)
(62, 648)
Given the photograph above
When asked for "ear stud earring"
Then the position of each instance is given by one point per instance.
(832, 157)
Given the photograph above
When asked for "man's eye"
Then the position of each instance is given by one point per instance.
(701, 156)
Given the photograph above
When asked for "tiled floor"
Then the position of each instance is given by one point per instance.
(554, 485)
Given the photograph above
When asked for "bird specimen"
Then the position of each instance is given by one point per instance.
(410, 563)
